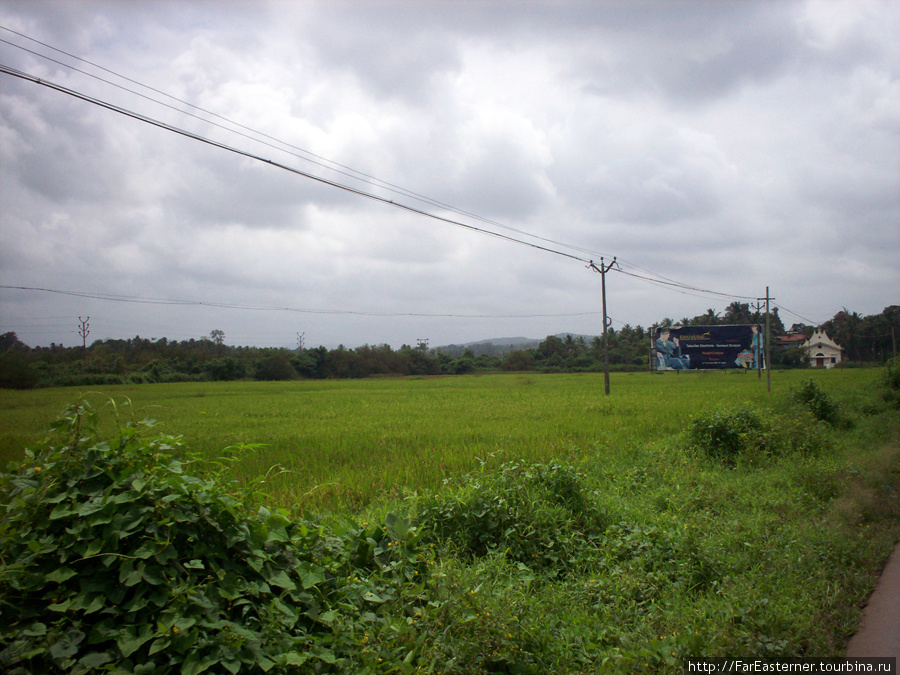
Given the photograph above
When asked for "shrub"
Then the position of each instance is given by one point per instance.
(817, 401)
(891, 382)
(275, 367)
(16, 372)
(114, 559)
(724, 434)
(733, 433)
(537, 514)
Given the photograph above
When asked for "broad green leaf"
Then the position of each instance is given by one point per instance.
(282, 580)
(158, 645)
(61, 574)
(67, 645)
(396, 525)
(130, 576)
(153, 575)
(147, 549)
(196, 663)
(295, 659)
(315, 575)
(35, 630)
(93, 506)
(93, 548)
(60, 606)
(133, 637)
(61, 511)
(96, 605)
(94, 659)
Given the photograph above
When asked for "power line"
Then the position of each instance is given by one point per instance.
(344, 170)
(307, 155)
(188, 134)
(662, 281)
(262, 308)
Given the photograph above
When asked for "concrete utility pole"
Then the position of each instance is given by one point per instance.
(83, 331)
(768, 346)
(602, 270)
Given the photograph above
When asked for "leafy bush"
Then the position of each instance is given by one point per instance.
(538, 515)
(16, 372)
(891, 382)
(275, 367)
(818, 402)
(114, 559)
(729, 434)
(87, 380)
(725, 433)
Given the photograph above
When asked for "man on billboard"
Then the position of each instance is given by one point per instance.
(668, 353)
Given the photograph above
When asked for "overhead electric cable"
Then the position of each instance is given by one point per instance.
(263, 308)
(685, 287)
(344, 170)
(188, 134)
(323, 162)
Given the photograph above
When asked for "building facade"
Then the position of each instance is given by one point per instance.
(821, 350)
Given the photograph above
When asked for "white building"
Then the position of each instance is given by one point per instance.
(821, 350)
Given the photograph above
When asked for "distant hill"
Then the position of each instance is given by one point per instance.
(502, 345)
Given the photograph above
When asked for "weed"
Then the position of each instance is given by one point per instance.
(114, 558)
(820, 404)
(534, 514)
(723, 434)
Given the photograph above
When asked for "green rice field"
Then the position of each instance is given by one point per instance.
(343, 443)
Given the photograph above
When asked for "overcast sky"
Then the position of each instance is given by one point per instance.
(723, 146)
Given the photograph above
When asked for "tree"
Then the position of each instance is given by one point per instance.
(11, 341)
(518, 360)
(218, 337)
(737, 313)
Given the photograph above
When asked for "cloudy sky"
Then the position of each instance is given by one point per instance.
(714, 148)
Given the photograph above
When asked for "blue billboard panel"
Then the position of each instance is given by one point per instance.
(708, 348)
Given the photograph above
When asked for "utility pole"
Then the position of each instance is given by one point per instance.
(768, 346)
(602, 270)
(300, 337)
(83, 332)
(767, 351)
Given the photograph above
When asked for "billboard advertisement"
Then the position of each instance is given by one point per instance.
(708, 347)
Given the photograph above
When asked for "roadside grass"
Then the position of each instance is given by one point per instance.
(612, 541)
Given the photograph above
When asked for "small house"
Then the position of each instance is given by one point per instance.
(821, 350)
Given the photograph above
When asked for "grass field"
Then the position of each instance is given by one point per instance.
(770, 554)
(345, 442)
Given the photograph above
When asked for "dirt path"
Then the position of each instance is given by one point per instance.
(879, 631)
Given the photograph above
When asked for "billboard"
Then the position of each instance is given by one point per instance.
(708, 348)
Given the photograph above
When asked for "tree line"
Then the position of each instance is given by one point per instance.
(865, 339)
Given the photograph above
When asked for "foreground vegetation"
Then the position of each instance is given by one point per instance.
(543, 528)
